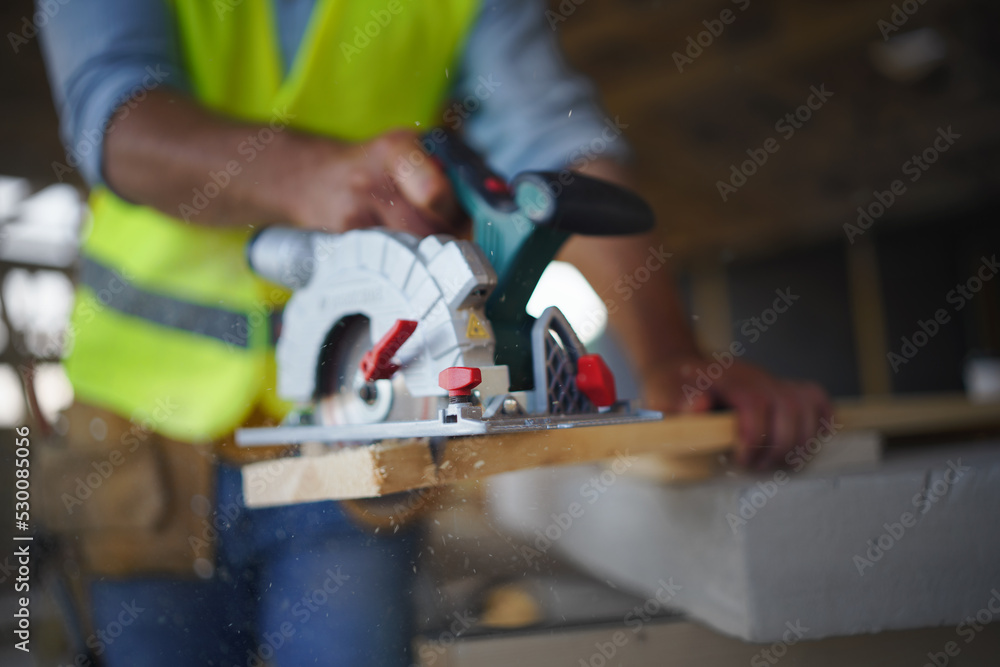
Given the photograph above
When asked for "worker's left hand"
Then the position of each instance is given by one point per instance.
(774, 415)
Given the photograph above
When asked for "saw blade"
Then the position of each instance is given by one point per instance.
(346, 398)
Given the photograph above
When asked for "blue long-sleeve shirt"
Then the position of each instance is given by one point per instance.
(543, 115)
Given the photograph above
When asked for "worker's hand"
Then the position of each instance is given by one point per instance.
(388, 181)
(774, 415)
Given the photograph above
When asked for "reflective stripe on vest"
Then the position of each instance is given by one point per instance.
(166, 311)
(126, 356)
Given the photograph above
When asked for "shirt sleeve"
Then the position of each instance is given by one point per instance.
(100, 54)
(518, 101)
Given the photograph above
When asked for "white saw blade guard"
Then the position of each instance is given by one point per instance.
(440, 282)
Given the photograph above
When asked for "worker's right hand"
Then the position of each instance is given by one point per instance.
(388, 181)
(774, 415)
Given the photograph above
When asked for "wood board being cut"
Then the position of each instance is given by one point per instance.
(690, 443)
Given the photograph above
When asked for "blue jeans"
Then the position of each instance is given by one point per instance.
(297, 585)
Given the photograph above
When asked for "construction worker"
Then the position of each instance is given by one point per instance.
(197, 123)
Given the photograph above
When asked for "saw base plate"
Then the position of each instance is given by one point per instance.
(464, 421)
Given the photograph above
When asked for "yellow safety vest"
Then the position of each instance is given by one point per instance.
(170, 327)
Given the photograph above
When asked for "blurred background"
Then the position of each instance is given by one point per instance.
(690, 120)
(693, 104)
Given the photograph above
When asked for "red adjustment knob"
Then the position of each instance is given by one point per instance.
(594, 378)
(377, 362)
(495, 185)
(460, 380)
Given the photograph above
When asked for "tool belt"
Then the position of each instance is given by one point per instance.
(126, 496)
(133, 502)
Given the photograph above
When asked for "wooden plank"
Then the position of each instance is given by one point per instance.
(926, 413)
(677, 469)
(349, 472)
(380, 469)
(861, 426)
(690, 445)
(681, 435)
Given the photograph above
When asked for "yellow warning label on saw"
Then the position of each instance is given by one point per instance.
(476, 328)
